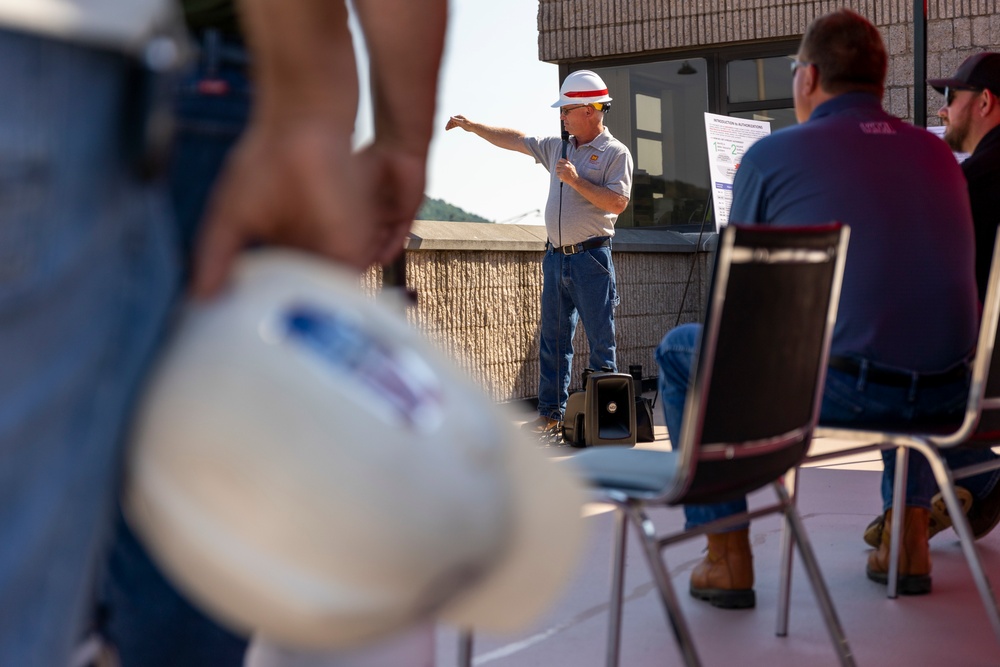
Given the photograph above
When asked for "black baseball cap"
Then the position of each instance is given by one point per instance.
(979, 71)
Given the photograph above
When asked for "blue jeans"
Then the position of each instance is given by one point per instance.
(575, 287)
(88, 268)
(847, 400)
(147, 620)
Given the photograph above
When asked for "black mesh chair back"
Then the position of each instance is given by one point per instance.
(758, 382)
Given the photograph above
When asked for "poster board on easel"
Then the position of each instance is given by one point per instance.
(728, 139)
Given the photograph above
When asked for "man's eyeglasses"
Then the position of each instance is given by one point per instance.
(564, 111)
(949, 92)
(796, 64)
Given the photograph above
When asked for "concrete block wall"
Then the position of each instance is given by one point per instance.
(579, 30)
(480, 302)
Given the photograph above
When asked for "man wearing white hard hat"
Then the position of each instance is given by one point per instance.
(578, 273)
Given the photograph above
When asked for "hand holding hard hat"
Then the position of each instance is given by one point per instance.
(305, 466)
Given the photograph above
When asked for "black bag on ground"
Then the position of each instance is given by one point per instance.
(644, 419)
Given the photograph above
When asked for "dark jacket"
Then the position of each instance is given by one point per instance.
(982, 172)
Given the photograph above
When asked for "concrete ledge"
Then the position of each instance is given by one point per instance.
(438, 235)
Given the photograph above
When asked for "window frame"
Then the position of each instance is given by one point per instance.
(717, 59)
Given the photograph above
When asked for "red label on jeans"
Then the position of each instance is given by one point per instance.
(213, 87)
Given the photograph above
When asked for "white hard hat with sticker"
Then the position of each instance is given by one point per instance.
(306, 466)
(582, 87)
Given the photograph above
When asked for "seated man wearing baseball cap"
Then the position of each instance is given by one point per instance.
(971, 115)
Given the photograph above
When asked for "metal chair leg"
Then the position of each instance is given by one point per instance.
(785, 571)
(675, 619)
(823, 598)
(896, 530)
(942, 474)
(617, 588)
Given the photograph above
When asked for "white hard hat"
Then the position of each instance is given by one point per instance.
(582, 87)
(305, 466)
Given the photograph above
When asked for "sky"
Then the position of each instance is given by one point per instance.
(490, 74)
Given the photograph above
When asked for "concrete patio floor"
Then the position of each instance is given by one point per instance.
(836, 501)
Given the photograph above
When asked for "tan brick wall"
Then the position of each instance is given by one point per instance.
(482, 306)
(575, 30)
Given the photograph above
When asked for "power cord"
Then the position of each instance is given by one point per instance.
(687, 283)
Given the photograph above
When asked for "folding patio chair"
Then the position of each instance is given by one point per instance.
(980, 427)
(750, 411)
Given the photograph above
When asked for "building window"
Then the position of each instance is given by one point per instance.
(659, 113)
(761, 89)
(656, 105)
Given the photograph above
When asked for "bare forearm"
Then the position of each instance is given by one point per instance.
(600, 196)
(504, 137)
(405, 39)
(303, 60)
(512, 140)
(292, 179)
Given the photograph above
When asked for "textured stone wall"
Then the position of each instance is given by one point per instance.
(481, 307)
(576, 30)
(956, 29)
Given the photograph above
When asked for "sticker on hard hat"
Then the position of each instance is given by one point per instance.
(396, 375)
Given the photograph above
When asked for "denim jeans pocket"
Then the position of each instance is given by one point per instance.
(841, 399)
(600, 260)
(597, 265)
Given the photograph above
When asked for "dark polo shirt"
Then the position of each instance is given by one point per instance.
(909, 292)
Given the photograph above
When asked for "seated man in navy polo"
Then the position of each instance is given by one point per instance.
(908, 316)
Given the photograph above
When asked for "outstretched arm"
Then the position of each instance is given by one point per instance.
(503, 137)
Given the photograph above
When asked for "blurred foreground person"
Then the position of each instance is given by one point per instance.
(93, 263)
(142, 616)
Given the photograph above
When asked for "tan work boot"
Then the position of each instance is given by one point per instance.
(725, 577)
(939, 518)
(915, 556)
(548, 431)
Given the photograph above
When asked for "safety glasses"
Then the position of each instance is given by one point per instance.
(564, 111)
(949, 92)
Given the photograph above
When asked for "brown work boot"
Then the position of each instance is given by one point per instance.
(547, 431)
(542, 425)
(915, 556)
(725, 577)
(939, 519)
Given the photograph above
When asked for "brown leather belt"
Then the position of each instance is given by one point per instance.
(589, 244)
